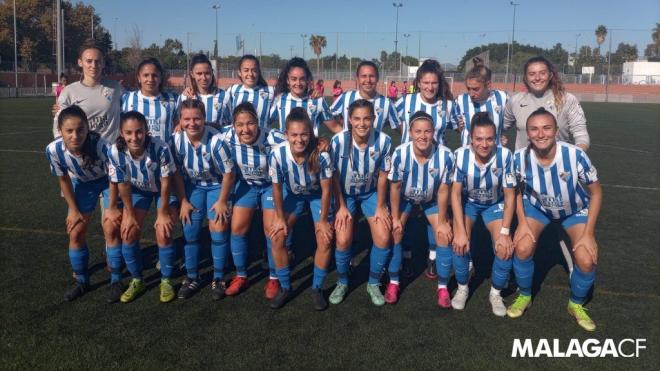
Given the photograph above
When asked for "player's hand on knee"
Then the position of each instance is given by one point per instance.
(342, 219)
(184, 212)
(523, 231)
(73, 218)
(504, 247)
(588, 242)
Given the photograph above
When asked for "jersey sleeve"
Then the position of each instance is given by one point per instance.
(509, 180)
(225, 116)
(449, 167)
(400, 107)
(396, 173)
(325, 166)
(124, 101)
(166, 162)
(323, 111)
(577, 121)
(392, 115)
(509, 117)
(56, 166)
(454, 116)
(274, 110)
(587, 172)
(274, 169)
(337, 107)
(458, 174)
(116, 172)
(386, 163)
(222, 156)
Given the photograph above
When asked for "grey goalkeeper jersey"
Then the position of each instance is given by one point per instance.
(101, 103)
(570, 118)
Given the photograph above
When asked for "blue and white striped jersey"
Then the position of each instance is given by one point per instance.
(296, 177)
(202, 165)
(252, 159)
(216, 105)
(440, 111)
(466, 107)
(145, 172)
(383, 107)
(358, 169)
(62, 161)
(558, 188)
(317, 110)
(159, 111)
(420, 182)
(261, 98)
(483, 184)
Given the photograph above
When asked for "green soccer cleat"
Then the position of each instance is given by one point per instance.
(135, 288)
(167, 293)
(580, 314)
(339, 293)
(519, 306)
(376, 296)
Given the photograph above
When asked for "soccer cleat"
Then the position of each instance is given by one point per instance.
(338, 294)
(407, 268)
(280, 299)
(114, 293)
(519, 306)
(271, 288)
(318, 300)
(460, 298)
(443, 298)
(497, 304)
(392, 293)
(374, 293)
(236, 286)
(218, 288)
(188, 288)
(75, 291)
(135, 288)
(166, 290)
(579, 312)
(431, 273)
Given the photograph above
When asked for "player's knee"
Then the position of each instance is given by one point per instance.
(524, 250)
(584, 263)
(344, 239)
(77, 237)
(240, 228)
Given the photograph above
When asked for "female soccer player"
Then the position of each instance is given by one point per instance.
(253, 88)
(249, 146)
(483, 185)
(157, 106)
(479, 98)
(203, 184)
(553, 177)
(420, 177)
(545, 89)
(361, 157)
(293, 89)
(100, 99)
(367, 82)
(203, 88)
(140, 168)
(301, 174)
(79, 159)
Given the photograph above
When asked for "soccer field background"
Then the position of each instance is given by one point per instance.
(39, 330)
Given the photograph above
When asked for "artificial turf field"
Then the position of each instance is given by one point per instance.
(41, 331)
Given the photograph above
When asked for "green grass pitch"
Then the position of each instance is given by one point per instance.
(40, 331)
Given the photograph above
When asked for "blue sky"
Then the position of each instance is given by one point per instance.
(364, 28)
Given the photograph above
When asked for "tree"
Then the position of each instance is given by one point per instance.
(317, 42)
(601, 34)
(653, 49)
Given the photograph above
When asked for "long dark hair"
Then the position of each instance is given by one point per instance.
(89, 154)
(282, 85)
(201, 59)
(299, 114)
(481, 119)
(360, 103)
(555, 82)
(159, 67)
(432, 66)
(133, 115)
(249, 57)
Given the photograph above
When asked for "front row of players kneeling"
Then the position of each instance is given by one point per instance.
(201, 172)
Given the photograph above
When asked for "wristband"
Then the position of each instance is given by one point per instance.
(505, 231)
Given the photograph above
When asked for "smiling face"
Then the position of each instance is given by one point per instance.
(134, 133)
(298, 136)
(483, 140)
(249, 73)
(421, 134)
(74, 132)
(297, 82)
(542, 131)
(477, 90)
(362, 120)
(428, 87)
(202, 74)
(246, 127)
(367, 79)
(538, 77)
(91, 62)
(192, 122)
(149, 79)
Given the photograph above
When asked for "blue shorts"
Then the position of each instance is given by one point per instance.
(202, 198)
(252, 197)
(429, 208)
(367, 201)
(143, 199)
(533, 212)
(295, 204)
(87, 194)
(489, 213)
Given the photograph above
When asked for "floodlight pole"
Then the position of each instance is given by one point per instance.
(215, 43)
(59, 38)
(396, 30)
(509, 51)
(16, 54)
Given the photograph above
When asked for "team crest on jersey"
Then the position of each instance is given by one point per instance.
(433, 171)
(592, 173)
(311, 109)
(216, 106)
(496, 171)
(510, 178)
(498, 109)
(564, 175)
(107, 93)
(372, 153)
(379, 110)
(206, 156)
(583, 212)
(263, 94)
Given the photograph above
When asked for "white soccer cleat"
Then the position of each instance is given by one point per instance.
(497, 304)
(460, 297)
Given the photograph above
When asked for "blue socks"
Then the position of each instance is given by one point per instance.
(461, 268)
(219, 252)
(191, 254)
(284, 276)
(272, 271)
(319, 277)
(79, 259)
(395, 262)
(524, 271)
(115, 261)
(443, 263)
(343, 261)
(377, 260)
(167, 256)
(238, 245)
(500, 273)
(581, 283)
(133, 259)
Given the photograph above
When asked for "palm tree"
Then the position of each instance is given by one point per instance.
(317, 42)
(656, 38)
